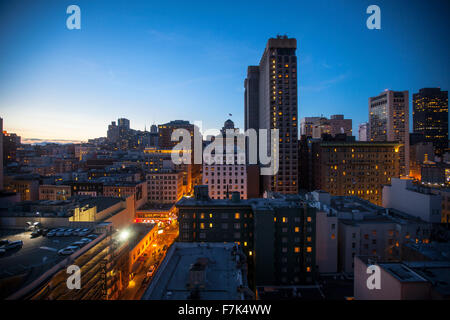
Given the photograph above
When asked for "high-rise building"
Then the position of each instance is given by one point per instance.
(389, 121)
(271, 103)
(363, 131)
(430, 117)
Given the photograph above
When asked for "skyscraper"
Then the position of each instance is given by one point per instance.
(389, 121)
(271, 103)
(430, 117)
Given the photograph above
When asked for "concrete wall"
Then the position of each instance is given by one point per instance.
(326, 244)
(399, 197)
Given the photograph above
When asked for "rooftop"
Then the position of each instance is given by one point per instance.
(35, 257)
(206, 271)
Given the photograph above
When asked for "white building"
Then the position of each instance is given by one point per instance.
(415, 200)
(223, 179)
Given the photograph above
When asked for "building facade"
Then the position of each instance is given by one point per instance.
(430, 117)
(389, 121)
(276, 107)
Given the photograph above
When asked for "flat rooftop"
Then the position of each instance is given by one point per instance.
(402, 272)
(60, 208)
(222, 274)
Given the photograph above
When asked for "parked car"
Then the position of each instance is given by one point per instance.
(84, 232)
(13, 245)
(85, 240)
(45, 231)
(68, 232)
(51, 233)
(2, 251)
(68, 250)
(92, 236)
(60, 232)
(78, 244)
(3, 242)
(77, 231)
(36, 233)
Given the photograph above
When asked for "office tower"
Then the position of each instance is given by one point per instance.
(251, 98)
(1, 154)
(430, 117)
(165, 132)
(272, 104)
(389, 121)
(363, 131)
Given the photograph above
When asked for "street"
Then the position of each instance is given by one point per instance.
(154, 254)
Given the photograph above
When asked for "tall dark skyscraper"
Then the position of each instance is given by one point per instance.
(430, 117)
(271, 103)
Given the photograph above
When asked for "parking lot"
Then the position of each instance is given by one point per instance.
(35, 256)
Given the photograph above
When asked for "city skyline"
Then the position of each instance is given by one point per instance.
(77, 81)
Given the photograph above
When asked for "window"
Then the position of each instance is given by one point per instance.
(297, 249)
(237, 215)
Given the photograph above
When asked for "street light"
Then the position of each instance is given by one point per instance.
(124, 235)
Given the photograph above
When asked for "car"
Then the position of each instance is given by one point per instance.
(2, 251)
(3, 242)
(84, 232)
(36, 233)
(60, 233)
(77, 231)
(51, 234)
(68, 232)
(92, 236)
(86, 240)
(68, 250)
(78, 244)
(13, 245)
(45, 231)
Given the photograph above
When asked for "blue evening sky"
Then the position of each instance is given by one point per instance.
(156, 61)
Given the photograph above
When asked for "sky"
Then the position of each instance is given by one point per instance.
(156, 61)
